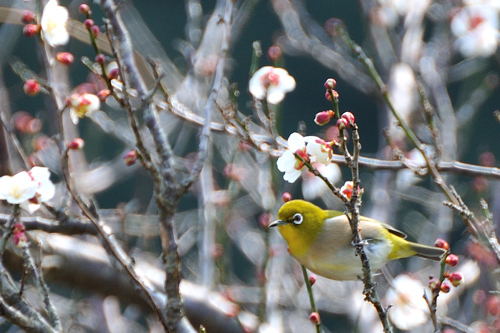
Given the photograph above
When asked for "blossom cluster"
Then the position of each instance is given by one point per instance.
(27, 188)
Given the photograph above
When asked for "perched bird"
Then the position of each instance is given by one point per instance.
(321, 241)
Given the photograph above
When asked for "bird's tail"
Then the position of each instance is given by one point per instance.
(427, 252)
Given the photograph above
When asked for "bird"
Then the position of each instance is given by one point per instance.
(321, 240)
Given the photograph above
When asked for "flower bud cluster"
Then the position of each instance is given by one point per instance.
(449, 279)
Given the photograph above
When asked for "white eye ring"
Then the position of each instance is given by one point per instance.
(298, 218)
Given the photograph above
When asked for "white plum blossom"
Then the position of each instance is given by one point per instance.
(288, 163)
(53, 24)
(27, 188)
(44, 192)
(310, 148)
(271, 82)
(314, 187)
(18, 188)
(82, 105)
(476, 29)
(318, 149)
(408, 307)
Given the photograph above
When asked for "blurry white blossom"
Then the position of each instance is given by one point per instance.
(271, 82)
(408, 307)
(82, 105)
(476, 29)
(18, 188)
(53, 24)
(45, 190)
(314, 187)
(404, 97)
(29, 189)
(414, 158)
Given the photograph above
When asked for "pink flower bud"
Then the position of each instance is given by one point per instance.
(30, 30)
(445, 287)
(40, 143)
(441, 243)
(330, 84)
(113, 74)
(21, 120)
(65, 58)
(103, 94)
(76, 144)
(19, 236)
(323, 117)
(456, 279)
(452, 260)
(349, 117)
(84, 9)
(312, 279)
(342, 123)
(31, 87)
(33, 126)
(100, 59)
(88, 23)
(130, 158)
(28, 16)
(95, 30)
(493, 305)
(274, 52)
(286, 197)
(264, 220)
(434, 284)
(314, 317)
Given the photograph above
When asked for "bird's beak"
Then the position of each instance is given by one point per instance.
(277, 223)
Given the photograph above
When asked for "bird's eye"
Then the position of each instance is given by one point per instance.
(298, 218)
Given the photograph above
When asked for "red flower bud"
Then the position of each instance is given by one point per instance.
(95, 30)
(65, 58)
(84, 9)
(314, 317)
(349, 117)
(434, 284)
(441, 243)
(130, 158)
(342, 123)
(323, 117)
(28, 16)
(76, 144)
(312, 279)
(88, 23)
(30, 30)
(452, 260)
(456, 279)
(31, 87)
(445, 287)
(330, 84)
(286, 197)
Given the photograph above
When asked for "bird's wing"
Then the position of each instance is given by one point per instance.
(389, 227)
